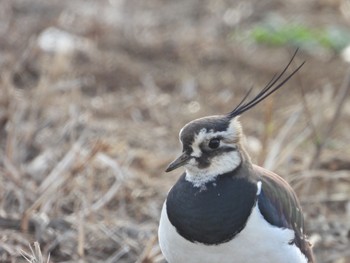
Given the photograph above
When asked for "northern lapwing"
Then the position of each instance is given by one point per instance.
(224, 208)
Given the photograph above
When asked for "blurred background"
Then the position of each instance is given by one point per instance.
(94, 93)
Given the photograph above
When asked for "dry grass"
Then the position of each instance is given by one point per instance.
(35, 256)
(86, 134)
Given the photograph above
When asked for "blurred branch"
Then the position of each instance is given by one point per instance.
(268, 129)
(54, 180)
(339, 101)
(35, 255)
(108, 196)
(307, 111)
(277, 144)
(146, 253)
(315, 134)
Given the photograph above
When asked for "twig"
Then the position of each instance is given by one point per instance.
(340, 100)
(307, 111)
(81, 235)
(290, 147)
(119, 177)
(306, 177)
(118, 254)
(145, 255)
(56, 178)
(276, 147)
(65, 164)
(338, 197)
(337, 257)
(11, 171)
(35, 256)
(67, 236)
(268, 120)
(119, 238)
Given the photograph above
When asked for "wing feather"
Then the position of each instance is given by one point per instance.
(279, 205)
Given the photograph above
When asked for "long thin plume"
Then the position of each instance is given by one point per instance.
(270, 88)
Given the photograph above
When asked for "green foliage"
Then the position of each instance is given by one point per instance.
(300, 35)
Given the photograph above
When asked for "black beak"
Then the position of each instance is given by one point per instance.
(180, 161)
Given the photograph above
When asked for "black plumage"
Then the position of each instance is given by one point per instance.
(192, 209)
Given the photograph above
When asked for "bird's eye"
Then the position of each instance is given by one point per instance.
(214, 143)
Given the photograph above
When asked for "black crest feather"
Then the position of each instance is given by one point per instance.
(274, 84)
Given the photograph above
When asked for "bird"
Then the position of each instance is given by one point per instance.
(224, 208)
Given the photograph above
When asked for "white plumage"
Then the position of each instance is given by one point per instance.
(257, 239)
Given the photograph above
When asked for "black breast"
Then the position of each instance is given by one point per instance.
(212, 214)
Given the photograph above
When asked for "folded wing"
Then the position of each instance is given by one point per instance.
(280, 207)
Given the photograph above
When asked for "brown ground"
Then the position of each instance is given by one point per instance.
(86, 133)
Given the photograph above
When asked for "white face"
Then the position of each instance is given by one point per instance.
(213, 153)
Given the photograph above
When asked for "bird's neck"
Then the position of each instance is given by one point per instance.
(244, 154)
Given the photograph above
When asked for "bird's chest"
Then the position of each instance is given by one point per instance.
(212, 214)
(258, 242)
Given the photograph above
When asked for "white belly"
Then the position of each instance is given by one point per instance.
(258, 242)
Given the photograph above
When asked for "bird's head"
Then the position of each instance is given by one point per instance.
(213, 145)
